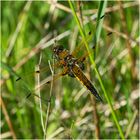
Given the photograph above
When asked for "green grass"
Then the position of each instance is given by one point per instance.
(71, 110)
(102, 6)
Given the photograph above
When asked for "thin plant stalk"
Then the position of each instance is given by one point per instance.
(8, 120)
(49, 102)
(38, 92)
(96, 71)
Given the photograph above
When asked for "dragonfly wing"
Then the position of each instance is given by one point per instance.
(53, 78)
(81, 45)
(23, 86)
(31, 74)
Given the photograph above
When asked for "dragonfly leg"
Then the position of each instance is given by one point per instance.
(65, 71)
(71, 74)
(81, 65)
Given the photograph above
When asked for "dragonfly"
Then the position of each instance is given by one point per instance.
(72, 66)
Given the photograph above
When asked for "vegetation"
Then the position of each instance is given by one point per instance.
(107, 33)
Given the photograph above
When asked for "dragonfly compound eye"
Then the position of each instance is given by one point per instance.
(58, 48)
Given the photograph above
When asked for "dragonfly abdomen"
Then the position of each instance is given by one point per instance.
(83, 79)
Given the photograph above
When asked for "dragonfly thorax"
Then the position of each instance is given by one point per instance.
(70, 60)
(65, 58)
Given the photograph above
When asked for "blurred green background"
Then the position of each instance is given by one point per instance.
(28, 33)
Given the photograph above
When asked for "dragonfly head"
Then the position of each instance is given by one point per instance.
(57, 49)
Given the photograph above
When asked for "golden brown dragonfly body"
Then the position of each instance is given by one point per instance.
(73, 67)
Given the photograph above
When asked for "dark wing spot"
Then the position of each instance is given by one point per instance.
(63, 74)
(48, 82)
(89, 33)
(102, 17)
(109, 33)
(37, 71)
(84, 58)
(93, 47)
(28, 95)
(18, 78)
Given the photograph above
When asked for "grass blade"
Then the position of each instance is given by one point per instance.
(96, 70)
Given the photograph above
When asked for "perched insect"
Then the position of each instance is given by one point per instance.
(73, 67)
